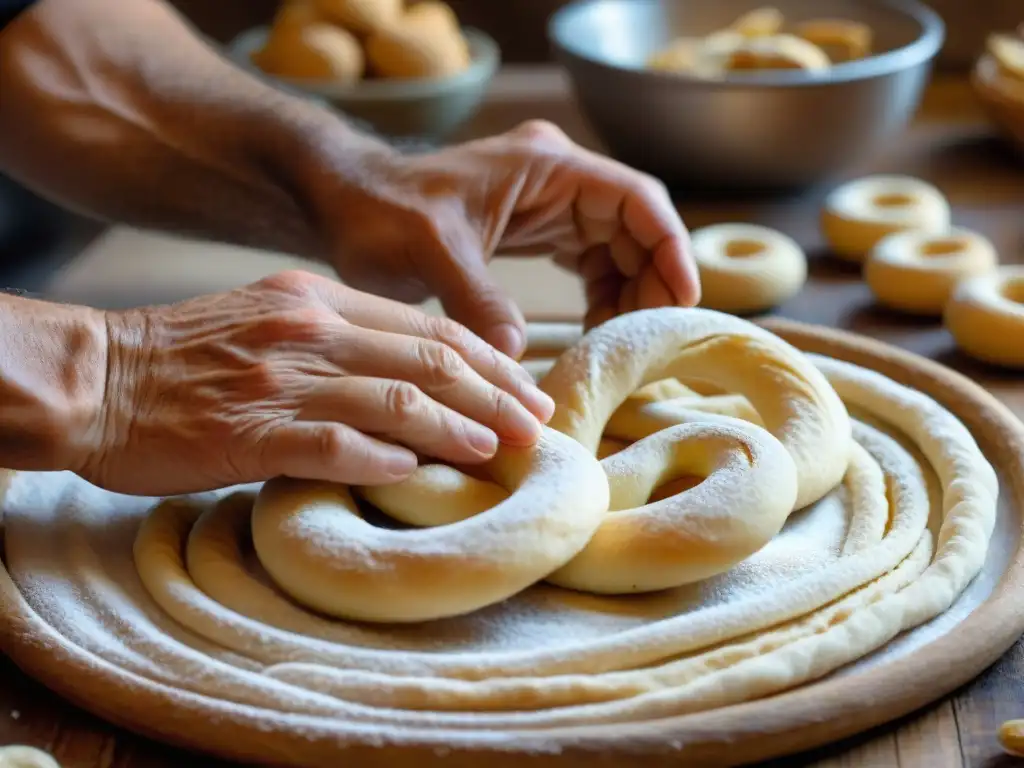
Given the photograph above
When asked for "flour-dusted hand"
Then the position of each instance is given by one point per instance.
(428, 224)
(297, 375)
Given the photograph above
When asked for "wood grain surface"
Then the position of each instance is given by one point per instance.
(951, 146)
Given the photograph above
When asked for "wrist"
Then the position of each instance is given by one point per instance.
(52, 384)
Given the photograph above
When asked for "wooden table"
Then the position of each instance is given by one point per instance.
(951, 146)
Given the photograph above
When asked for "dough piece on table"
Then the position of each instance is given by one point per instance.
(747, 268)
(17, 756)
(916, 272)
(858, 214)
(985, 315)
(1011, 737)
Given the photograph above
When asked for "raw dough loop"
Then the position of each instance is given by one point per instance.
(985, 316)
(315, 547)
(916, 272)
(858, 214)
(314, 544)
(747, 268)
(211, 641)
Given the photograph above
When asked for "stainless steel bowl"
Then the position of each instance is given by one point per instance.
(769, 129)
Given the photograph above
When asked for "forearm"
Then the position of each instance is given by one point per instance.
(52, 382)
(116, 109)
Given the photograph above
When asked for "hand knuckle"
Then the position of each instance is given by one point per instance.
(448, 332)
(541, 131)
(332, 444)
(403, 401)
(295, 282)
(441, 363)
(303, 325)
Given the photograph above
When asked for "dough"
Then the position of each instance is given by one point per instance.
(771, 52)
(986, 316)
(25, 757)
(361, 17)
(1011, 736)
(315, 51)
(204, 641)
(314, 544)
(746, 268)
(417, 50)
(841, 40)
(858, 214)
(916, 272)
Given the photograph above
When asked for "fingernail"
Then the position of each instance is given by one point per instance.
(483, 441)
(509, 339)
(401, 463)
(539, 402)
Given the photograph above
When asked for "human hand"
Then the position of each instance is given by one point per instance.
(297, 375)
(428, 224)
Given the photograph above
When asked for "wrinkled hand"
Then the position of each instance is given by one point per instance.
(428, 224)
(297, 375)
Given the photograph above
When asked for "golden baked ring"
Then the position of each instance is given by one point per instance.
(858, 214)
(985, 315)
(739, 53)
(747, 268)
(841, 40)
(916, 271)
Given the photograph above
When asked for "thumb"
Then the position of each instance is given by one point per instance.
(472, 297)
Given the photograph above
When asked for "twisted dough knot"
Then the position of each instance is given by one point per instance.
(554, 511)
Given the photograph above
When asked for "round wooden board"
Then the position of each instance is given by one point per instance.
(810, 716)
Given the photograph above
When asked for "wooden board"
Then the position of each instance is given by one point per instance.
(806, 717)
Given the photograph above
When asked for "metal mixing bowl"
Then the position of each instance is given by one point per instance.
(767, 129)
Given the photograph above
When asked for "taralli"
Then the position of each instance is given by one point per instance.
(858, 214)
(746, 268)
(985, 316)
(189, 635)
(362, 17)
(416, 50)
(1011, 736)
(1008, 52)
(771, 52)
(841, 40)
(759, 22)
(916, 272)
(314, 51)
(25, 757)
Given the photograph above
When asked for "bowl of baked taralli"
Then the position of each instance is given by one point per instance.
(998, 80)
(743, 93)
(407, 69)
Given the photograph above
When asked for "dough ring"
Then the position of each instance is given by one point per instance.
(858, 214)
(986, 316)
(641, 547)
(915, 271)
(25, 757)
(1011, 737)
(746, 268)
(312, 541)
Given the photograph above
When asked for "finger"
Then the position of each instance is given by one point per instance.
(652, 291)
(372, 312)
(596, 263)
(472, 297)
(627, 254)
(628, 296)
(402, 412)
(333, 452)
(443, 374)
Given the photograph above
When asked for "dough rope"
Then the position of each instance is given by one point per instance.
(18, 756)
(858, 214)
(746, 268)
(171, 599)
(916, 272)
(985, 316)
